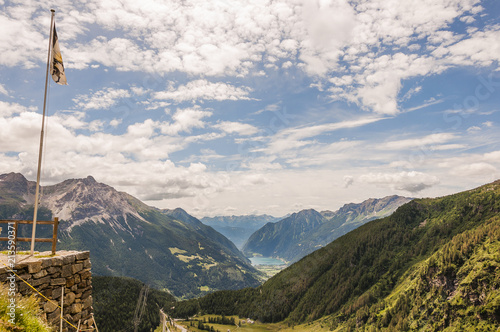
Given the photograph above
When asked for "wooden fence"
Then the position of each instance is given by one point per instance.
(54, 222)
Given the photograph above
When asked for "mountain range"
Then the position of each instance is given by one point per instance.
(308, 230)
(167, 249)
(433, 265)
(238, 228)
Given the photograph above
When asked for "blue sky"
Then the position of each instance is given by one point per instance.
(240, 107)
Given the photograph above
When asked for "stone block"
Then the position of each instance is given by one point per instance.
(56, 292)
(58, 281)
(83, 290)
(88, 302)
(46, 262)
(86, 294)
(23, 288)
(85, 274)
(87, 264)
(54, 269)
(24, 276)
(36, 282)
(83, 255)
(21, 266)
(57, 261)
(70, 259)
(70, 282)
(66, 271)
(49, 307)
(77, 317)
(76, 308)
(47, 292)
(34, 267)
(40, 274)
(77, 278)
(43, 286)
(76, 268)
(69, 298)
(54, 316)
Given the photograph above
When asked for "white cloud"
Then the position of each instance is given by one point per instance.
(103, 99)
(412, 182)
(430, 141)
(326, 39)
(239, 128)
(473, 129)
(474, 169)
(185, 120)
(481, 49)
(376, 55)
(293, 138)
(3, 91)
(348, 181)
(7, 109)
(204, 90)
(492, 156)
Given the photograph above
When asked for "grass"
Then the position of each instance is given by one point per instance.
(27, 313)
(317, 326)
(270, 270)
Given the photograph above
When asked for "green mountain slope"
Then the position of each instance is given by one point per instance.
(169, 250)
(306, 231)
(445, 249)
(116, 300)
(281, 239)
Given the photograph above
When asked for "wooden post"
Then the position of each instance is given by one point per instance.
(62, 305)
(15, 234)
(54, 235)
(95, 324)
(78, 328)
(163, 320)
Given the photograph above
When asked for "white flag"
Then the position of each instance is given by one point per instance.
(56, 65)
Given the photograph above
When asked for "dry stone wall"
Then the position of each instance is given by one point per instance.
(68, 269)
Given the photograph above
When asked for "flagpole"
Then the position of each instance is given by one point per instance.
(37, 192)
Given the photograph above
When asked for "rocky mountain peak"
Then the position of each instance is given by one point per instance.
(18, 185)
(82, 200)
(13, 178)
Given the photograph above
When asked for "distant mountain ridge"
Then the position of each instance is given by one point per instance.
(238, 228)
(168, 249)
(301, 233)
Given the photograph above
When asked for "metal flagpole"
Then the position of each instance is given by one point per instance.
(37, 193)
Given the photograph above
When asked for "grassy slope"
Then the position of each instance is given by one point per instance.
(28, 314)
(355, 274)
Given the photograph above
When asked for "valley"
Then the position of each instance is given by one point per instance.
(434, 264)
(431, 264)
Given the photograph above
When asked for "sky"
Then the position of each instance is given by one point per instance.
(252, 106)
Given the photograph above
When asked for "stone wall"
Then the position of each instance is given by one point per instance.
(68, 269)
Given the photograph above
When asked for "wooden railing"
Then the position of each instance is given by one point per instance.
(15, 224)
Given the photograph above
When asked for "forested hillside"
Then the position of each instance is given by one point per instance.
(433, 264)
(118, 300)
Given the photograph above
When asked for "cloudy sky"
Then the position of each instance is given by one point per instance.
(252, 106)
